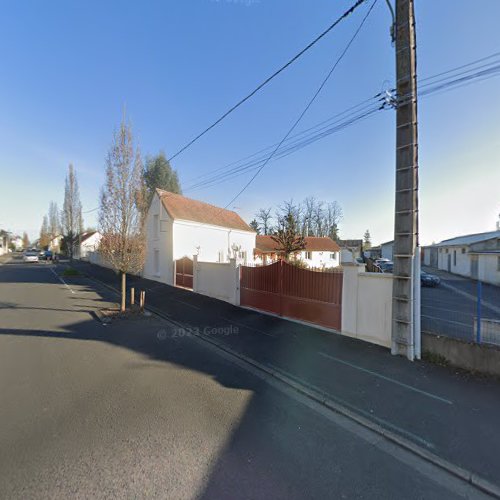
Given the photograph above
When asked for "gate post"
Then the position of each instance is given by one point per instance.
(195, 273)
(236, 283)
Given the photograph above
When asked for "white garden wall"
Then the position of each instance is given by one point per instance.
(367, 305)
(218, 280)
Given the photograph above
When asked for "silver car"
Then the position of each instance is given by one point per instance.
(30, 257)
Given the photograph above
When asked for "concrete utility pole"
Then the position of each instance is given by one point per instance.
(406, 285)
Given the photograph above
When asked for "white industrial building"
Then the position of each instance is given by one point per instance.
(475, 256)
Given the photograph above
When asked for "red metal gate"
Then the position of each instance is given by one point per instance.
(290, 291)
(184, 272)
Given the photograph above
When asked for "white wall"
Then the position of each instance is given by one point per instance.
(210, 243)
(462, 266)
(160, 239)
(488, 268)
(367, 305)
(91, 244)
(321, 259)
(96, 258)
(218, 280)
(346, 256)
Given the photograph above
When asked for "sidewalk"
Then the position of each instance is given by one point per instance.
(452, 415)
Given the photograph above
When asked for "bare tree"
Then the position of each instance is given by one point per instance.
(264, 218)
(333, 216)
(122, 208)
(309, 206)
(54, 225)
(287, 209)
(71, 215)
(26, 240)
(44, 233)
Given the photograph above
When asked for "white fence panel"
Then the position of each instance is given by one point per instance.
(218, 280)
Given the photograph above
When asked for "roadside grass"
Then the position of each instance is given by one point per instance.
(437, 359)
(70, 271)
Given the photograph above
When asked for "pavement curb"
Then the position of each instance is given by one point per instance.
(455, 470)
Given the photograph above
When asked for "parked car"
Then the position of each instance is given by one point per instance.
(47, 255)
(30, 256)
(427, 279)
(386, 266)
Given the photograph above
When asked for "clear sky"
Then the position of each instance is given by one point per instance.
(68, 68)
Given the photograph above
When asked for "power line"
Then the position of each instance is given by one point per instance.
(364, 109)
(309, 104)
(290, 148)
(444, 84)
(267, 80)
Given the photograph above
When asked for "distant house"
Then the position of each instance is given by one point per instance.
(178, 227)
(350, 251)
(387, 250)
(55, 243)
(4, 242)
(475, 256)
(319, 252)
(87, 243)
(17, 241)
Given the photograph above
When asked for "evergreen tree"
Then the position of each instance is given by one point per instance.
(367, 243)
(159, 174)
(255, 226)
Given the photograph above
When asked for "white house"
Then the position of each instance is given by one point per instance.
(4, 242)
(55, 243)
(476, 256)
(18, 243)
(86, 244)
(178, 227)
(321, 252)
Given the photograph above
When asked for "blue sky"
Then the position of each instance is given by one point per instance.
(69, 68)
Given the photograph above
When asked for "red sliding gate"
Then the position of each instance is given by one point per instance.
(290, 291)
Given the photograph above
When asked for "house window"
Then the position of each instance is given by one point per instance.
(454, 257)
(221, 255)
(155, 226)
(308, 255)
(446, 250)
(332, 256)
(157, 262)
(463, 250)
(498, 264)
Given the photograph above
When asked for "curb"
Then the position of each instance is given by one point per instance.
(458, 472)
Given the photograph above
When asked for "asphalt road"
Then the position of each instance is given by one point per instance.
(133, 410)
(451, 308)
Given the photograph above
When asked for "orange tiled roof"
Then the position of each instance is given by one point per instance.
(180, 207)
(265, 244)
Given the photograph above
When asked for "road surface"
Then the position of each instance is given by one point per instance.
(135, 410)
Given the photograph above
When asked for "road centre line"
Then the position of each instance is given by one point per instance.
(387, 379)
(61, 280)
